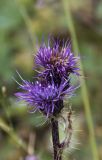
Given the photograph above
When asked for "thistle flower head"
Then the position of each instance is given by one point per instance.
(57, 60)
(47, 94)
(46, 98)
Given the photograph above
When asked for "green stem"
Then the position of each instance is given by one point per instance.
(28, 23)
(12, 134)
(70, 23)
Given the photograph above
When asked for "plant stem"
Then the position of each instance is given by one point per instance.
(55, 139)
(12, 134)
(28, 23)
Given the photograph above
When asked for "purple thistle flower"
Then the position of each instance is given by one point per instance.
(47, 98)
(57, 61)
(48, 94)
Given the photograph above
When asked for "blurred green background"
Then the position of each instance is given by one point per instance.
(22, 24)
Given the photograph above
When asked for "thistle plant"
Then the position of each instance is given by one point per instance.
(52, 87)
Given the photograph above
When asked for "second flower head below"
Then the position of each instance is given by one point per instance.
(46, 98)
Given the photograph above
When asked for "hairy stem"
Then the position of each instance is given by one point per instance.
(55, 139)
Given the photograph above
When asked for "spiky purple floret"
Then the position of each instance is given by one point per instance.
(47, 98)
(57, 60)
